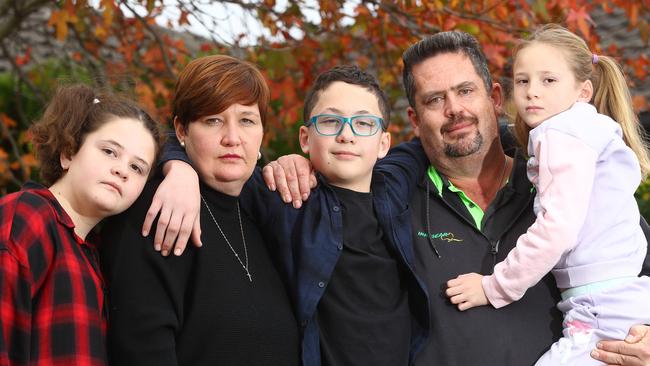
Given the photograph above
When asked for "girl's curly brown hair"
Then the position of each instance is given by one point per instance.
(74, 112)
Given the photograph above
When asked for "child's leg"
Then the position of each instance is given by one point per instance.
(592, 317)
(578, 334)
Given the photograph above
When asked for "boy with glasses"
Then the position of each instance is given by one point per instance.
(346, 253)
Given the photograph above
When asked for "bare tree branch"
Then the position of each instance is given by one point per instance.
(90, 59)
(21, 75)
(17, 11)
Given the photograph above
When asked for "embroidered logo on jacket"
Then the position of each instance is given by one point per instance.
(448, 236)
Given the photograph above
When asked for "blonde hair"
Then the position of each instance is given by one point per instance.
(611, 94)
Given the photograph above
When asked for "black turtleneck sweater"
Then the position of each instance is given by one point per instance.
(199, 308)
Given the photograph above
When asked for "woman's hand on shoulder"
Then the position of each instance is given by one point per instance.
(177, 202)
(633, 351)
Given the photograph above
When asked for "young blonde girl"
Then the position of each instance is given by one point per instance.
(96, 151)
(586, 161)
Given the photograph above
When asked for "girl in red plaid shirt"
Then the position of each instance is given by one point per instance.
(96, 151)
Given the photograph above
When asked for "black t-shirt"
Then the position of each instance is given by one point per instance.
(364, 316)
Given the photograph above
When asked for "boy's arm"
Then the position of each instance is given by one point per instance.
(259, 203)
(404, 166)
(176, 202)
(172, 150)
(277, 222)
(293, 177)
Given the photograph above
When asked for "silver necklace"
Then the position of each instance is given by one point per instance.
(243, 238)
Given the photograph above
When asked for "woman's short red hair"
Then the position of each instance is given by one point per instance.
(210, 84)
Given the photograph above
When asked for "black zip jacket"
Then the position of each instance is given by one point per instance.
(447, 243)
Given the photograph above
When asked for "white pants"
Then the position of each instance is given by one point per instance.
(592, 317)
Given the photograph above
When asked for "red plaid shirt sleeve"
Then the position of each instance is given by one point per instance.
(51, 297)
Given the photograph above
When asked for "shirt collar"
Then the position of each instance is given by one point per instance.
(39, 189)
(61, 216)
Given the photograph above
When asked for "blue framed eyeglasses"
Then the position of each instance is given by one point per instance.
(332, 124)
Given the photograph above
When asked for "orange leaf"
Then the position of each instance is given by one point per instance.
(58, 20)
(8, 121)
(501, 12)
(160, 88)
(109, 11)
(29, 160)
(100, 32)
(644, 31)
(183, 19)
(145, 96)
(633, 13)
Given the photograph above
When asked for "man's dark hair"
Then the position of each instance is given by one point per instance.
(439, 43)
(350, 74)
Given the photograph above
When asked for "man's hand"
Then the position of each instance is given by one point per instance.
(466, 291)
(178, 200)
(292, 176)
(634, 351)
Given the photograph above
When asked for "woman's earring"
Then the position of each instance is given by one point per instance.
(259, 155)
(182, 143)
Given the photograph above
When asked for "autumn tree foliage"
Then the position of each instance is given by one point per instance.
(122, 45)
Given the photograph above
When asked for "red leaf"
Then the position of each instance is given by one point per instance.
(24, 59)
(580, 19)
(495, 54)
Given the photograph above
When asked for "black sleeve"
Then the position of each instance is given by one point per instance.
(145, 290)
(645, 270)
(172, 150)
(273, 217)
(404, 166)
(258, 201)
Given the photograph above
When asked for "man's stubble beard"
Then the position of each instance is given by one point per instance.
(464, 146)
